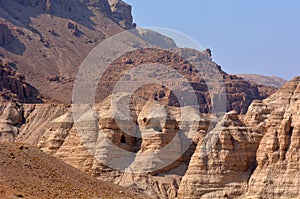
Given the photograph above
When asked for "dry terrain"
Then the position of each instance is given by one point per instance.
(27, 172)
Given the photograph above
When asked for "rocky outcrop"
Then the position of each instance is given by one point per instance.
(195, 67)
(266, 158)
(278, 154)
(13, 85)
(121, 13)
(224, 170)
(27, 123)
(10, 120)
(44, 46)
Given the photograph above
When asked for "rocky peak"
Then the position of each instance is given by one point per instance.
(121, 13)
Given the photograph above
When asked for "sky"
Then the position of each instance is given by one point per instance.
(251, 36)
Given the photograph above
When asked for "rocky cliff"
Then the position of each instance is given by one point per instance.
(162, 150)
(121, 13)
(13, 86)
(253, 155)
(262, 147)
(196, 67)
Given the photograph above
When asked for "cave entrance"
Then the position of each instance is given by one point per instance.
(123, 139)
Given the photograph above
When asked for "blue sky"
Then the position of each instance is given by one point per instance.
(261, 37)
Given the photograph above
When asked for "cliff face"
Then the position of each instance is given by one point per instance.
(278, 153)
(269, 133)
(49, 39)
(253, 155)
(225, 170)
(121, 13)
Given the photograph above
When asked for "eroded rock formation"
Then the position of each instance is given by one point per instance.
(269, 133)
(253, 155)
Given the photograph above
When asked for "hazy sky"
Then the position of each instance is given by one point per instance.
(251, 36)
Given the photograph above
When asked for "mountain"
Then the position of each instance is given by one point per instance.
(273, 81)
(26, 172)
(158, 146)
(47, 41)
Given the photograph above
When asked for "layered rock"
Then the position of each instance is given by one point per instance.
(278, 154)
(14, 87)
(261, 146)
(252, 155)
(225, 165)
(194, 67)
(52, 128)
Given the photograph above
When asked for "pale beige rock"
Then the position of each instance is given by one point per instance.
(252, 156)
(277, 174)
(224, 170)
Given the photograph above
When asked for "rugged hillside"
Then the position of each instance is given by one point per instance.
(26, 172)
(49, 39)
(196, 67)
(45, 42)
(276, 82)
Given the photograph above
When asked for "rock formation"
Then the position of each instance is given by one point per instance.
(52, 38)
(268, 133)
(277, 158)
(14, 87)
(156, 147)
(196, 67)
(252, 155)
(121, 13)
(225, 170)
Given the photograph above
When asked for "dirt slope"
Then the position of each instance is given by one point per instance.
(27, 172)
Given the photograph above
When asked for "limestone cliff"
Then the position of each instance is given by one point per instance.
(269, 133)
(253, 155)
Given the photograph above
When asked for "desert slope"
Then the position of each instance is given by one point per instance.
(27, 172)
